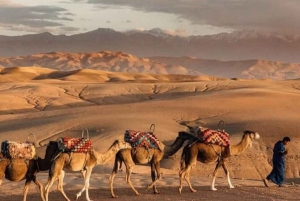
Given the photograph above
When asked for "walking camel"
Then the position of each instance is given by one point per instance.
(209, 153)
(18, 169)
(84, 162)
(141, 155)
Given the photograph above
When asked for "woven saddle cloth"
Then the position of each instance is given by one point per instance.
(210, 136)
(142, 139)
(75, 145)
(12, 149)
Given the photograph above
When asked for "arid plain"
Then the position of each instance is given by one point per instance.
(53, 104)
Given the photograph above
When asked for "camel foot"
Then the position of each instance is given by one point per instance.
(156, 192)
(138, 194)
(180, 189)
(114, 196)
(213, 189)
(193, 190)
(231, 187)
(150, 186)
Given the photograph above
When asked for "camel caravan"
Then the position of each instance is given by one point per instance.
(19, 160)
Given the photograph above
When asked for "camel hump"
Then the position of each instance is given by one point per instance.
(12, 149)
(142, 139)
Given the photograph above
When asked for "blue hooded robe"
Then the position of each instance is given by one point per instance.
(277, 173)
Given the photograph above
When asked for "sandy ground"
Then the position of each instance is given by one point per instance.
(53, 108)
(168, 188)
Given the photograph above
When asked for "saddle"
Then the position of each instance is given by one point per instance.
(210, 136)
(12, 150)
(75, 145)
(142, 139)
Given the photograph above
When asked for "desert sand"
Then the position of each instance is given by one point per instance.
(53, 104)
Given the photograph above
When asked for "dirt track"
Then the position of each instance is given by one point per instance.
(171, 193)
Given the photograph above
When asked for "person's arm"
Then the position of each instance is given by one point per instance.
(280, 149)
(284, 153)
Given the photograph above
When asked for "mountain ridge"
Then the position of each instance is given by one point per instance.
(241, 45)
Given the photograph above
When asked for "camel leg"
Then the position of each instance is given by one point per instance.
(38, 183)
(185, 166)
(112, 176)
(50, 182)
(48, 186)
(187, 178)
(181, 175)
(129, 168)
(83, 174)
(2, 170)
(60, 188)
(155, 168)
(219, 164)
(87, 177)
(185, 173)
(2, 174)
(227, 175)
(26, 187)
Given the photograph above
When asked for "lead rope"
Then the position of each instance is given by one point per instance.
(267, 147)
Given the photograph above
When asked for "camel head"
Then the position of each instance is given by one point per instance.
(251, 135)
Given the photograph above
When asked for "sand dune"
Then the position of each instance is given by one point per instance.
(53, 104)
(124, 62)
(27, 73)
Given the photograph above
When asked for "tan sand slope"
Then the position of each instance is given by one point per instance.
(124, 62)
(56, 107)
(23, 74)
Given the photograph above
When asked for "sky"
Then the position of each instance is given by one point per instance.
(178, 17)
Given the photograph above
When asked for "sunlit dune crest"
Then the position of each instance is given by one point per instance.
(90, 75)
(124, 62)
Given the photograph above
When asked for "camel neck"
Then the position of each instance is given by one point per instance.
(241, 146)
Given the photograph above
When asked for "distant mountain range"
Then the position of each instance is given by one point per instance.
(242, 45)
(124, 62)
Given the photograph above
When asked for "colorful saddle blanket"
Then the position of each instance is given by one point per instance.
(141, 139)
(11, 149)
(217, 137)
(76, 145)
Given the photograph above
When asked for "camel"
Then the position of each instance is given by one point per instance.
(18, 169)
(141, 155)
(209, 153)
(84, 162)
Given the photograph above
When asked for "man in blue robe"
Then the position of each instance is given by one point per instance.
(277, 173)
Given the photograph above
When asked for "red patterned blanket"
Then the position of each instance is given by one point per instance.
(210, 136)
(76, 145)
(217, 137)
(141, 139)
(11, 149)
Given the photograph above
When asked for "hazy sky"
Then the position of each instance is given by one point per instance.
(182, 17)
